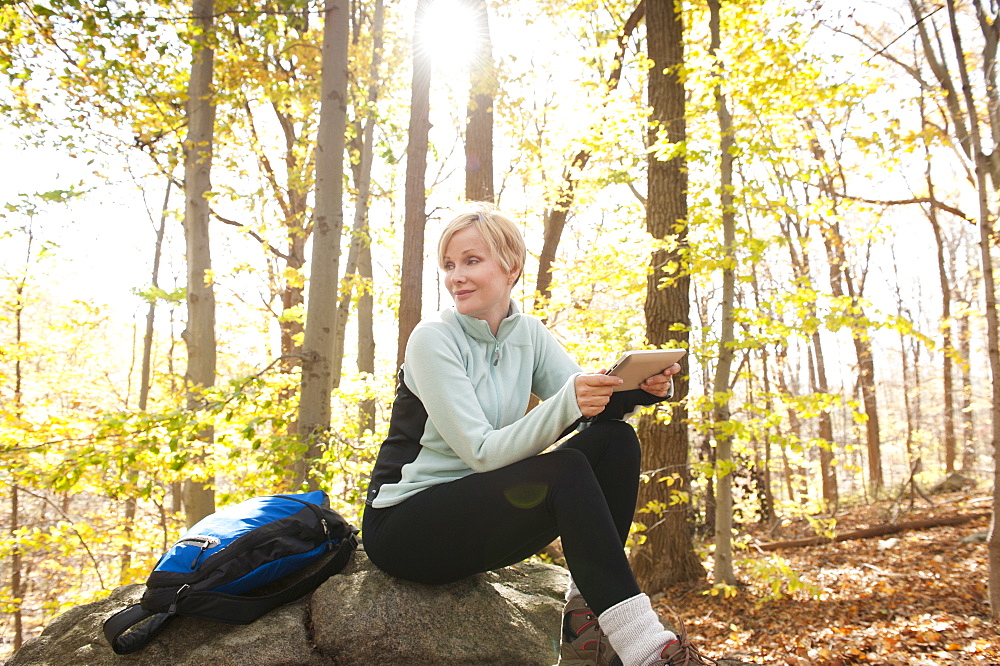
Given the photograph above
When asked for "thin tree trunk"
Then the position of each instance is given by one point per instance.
(16, 565)
(989, 301)
(328, 224)
(768, 515)
(366, 300)
(818, 376)
(292, 198)
(795, 426)
(360, 238)
(199, 492)
(479, 121)
(366, 336)
(840, 276)
(144, 381)
(720, 389)
(411, 286)
(946, 321)
(555, 217)
(831, 492)
(16, 562)
(667, 555)
(969, 456)
(911, 385)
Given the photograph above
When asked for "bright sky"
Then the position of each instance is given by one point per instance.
(104, 240)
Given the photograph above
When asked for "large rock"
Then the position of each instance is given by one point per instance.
(360, 616)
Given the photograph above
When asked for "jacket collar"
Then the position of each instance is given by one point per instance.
(478, 329)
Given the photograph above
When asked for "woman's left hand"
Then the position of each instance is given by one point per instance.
(659, 385)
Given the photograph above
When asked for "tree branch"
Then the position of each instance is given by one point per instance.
(253, 234)
(957, 212)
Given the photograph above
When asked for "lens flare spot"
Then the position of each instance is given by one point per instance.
(527, 495)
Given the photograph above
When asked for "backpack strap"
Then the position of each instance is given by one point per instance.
(244, 609)
(116, 626)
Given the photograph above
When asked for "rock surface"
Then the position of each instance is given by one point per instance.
(360, 616)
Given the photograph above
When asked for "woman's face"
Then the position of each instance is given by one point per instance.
(477, 282)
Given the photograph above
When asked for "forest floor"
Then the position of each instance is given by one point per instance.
(916, 597)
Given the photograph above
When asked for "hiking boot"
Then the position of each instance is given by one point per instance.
(583, 642)
(680, 652)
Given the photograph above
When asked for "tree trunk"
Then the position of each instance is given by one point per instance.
(768, 514)
(667, 555)
(817, 362)
(840, 277)
(360, 238)
(969, 455)
(720, 389)
(16, 561)
(366, 300)
(986, 232)
(479, 120)
(946, 324)
(871, 532)
(555, 217)
(293, 201)
(16, 586)
(328, 225)
(795, 426)
(831, 492)
(144, 381)
(366, 336)
(411, 284)
(199, 492)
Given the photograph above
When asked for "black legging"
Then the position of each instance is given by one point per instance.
(583, 491)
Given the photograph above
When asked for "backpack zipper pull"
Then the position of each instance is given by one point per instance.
(172, 610)
(204, 543)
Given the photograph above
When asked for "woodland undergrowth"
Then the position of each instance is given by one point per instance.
(917, 597)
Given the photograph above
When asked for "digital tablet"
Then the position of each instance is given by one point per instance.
(635, 367)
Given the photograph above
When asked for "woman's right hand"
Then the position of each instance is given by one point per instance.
(593, 392)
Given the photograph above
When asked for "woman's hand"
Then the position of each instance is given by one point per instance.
(593, 391)
(659, 385)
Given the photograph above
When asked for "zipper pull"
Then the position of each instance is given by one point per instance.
(204, 543)
(172, 610)
(496, 354)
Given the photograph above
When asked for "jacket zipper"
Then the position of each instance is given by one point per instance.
(496, 387)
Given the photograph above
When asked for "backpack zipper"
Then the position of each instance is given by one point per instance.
(205, 543)
(236, 548)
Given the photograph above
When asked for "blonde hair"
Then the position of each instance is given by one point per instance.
(499, 231)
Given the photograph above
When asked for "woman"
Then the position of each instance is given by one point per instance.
(462, 455)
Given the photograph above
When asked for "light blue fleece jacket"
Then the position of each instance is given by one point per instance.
(475, 388)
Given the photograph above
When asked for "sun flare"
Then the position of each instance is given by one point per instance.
(449, 32)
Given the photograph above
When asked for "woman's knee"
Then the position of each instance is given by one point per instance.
(568, 461)
(620, 435)
(622, 430)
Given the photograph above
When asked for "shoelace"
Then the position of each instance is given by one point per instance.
(603, 645)
(603, 648)
(686, 654)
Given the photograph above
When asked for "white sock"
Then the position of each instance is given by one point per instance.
(635, 632)
(572, 590)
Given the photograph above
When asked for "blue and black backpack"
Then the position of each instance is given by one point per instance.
(209, 572)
